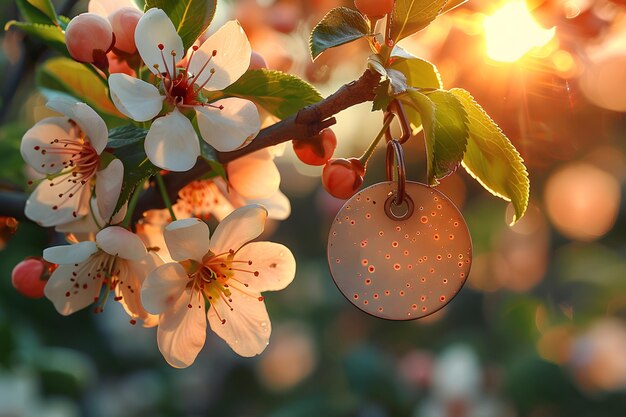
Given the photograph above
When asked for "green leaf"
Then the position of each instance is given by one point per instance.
(419, 73)
(37, 11)
(411, 16)
(491, 158)
(49, 34)
(137, 167)
(190, 17)
(382, 97)
(445, 131)
(338, 27)
(280, 94)
(68, 77)
(452, 4)
(125, 135)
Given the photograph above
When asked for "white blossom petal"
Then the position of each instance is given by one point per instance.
(117, 241)
(132, 275)
(163, 287)
(135, 98)
(241, 226)
(231, 61)
(187, 239)
(40, 205)
(182, 330)
(86, 118)
(245, 325)
(38, 142)
(274, 263)
(70, 293)
(70, 254)
(254, 176)
(229, 128)
(172, 143)
(278, 205)
(108, 187)
(153, 29)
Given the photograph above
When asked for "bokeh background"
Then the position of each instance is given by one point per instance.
(538, 330)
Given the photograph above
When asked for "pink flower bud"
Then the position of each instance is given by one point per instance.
(257, 61)
(89, 37)
(29, 277)
(124, 21)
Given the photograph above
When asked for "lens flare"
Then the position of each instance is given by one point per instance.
(511, 32)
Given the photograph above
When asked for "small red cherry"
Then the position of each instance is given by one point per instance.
(342, 178)
(316, 150)
(88, 37)
(28, 277)
(374, 8)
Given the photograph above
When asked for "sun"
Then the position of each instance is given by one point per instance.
(511, 32)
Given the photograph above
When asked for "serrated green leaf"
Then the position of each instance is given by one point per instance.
(411, 16)
(338, 27)
(137, 169)
(280, 94)
(419, 73)
(68, 77)
(125, 135)
(452, 4)
(445, 131)
(190, 17)
(492, 159)
(49, 34)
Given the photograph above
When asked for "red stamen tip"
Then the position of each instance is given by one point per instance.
(214, 52)
(161, 46)
(195, 47)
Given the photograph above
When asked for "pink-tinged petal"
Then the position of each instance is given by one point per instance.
(254, 176)
(117, 241)
(229, 128)
(135, 98)
(154, 29)
(278, 206)
(274, 263)
(38, 144)
(152, 237)
(243, 323)
(172, 143)
(231, 61)
(187, 239)
(132, 275)
(70, 254)
(108, 187)
(182, 330)
(106, 7)
(163, 287)
(86, 118)
(70, 288)
(40, 206)
(240, 227)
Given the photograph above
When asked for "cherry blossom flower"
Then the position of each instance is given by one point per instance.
(227, 272)
(68, 151)
(226, 124)
(117, 261)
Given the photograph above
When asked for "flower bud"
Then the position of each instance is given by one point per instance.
(316, 150)
(89, 37)
(257, 61)
(123, 22)
(343, 177)
(29, 277)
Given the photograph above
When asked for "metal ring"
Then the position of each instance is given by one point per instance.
(396, 109)
(390, 203)
(395, 149)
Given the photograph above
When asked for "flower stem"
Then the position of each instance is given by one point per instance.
(166, 198)
(370, 151)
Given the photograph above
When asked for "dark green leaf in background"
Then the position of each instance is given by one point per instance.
(338, 27)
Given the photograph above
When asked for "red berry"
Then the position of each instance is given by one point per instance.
(257, 61)
(316, 150)
(343, 177)
(88, 37)
(374, 8)
(28, 277)
(123, 22)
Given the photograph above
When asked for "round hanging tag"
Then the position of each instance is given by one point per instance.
(399, 262)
